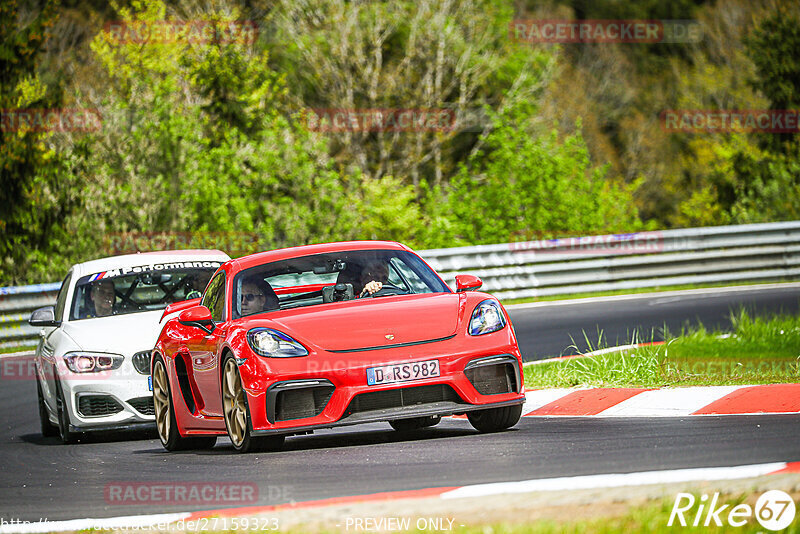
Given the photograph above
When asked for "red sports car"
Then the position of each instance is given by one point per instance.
(288, 341)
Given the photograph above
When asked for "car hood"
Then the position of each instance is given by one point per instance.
(372, 323)
(121, 334)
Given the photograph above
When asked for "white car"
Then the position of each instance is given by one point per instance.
(93, 358)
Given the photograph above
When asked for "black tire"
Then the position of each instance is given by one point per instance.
(66, 435)
(495, 419)
(415, 423)
(235, 408)
(166, 426)
(49, 430)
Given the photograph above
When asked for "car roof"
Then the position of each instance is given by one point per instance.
(261, 258)
(146, 258)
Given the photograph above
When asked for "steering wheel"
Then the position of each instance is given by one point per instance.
(386, 290)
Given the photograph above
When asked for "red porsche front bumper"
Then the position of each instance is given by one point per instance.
(327, 389)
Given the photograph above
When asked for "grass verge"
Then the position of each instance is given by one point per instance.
(25, 348)
(758, 351)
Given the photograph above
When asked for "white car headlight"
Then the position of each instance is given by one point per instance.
(486, 318)
(92, 362)
(274, 344)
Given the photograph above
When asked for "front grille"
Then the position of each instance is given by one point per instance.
(97, 405)
(141, 362)
(143, 405)
(493, 379)
(397, 398)
(301, 403)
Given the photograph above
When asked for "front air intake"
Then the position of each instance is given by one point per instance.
(493, 376)
(297, 399)
(400, 397)
(143, 405)
(97, 405)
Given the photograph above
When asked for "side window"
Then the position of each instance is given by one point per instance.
(214, 298)
(408, 275)
(61, 300)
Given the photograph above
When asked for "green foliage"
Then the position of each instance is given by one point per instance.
(36, 188)
(773, 47)
(206, 148)
(521, 183)
(213, 137)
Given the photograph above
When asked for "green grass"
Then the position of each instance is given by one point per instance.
(757, 351)
(26, 348)
(655, 289)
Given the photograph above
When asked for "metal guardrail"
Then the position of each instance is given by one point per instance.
(718, 254)
(628, 261)
(16, 305)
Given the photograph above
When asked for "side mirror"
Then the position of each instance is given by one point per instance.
(43, 317)
(199, 317)
(465, 282)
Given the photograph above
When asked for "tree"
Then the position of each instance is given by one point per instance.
(427, 55)
(523, 186)
(35, 194)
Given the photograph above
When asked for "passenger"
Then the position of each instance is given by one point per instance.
(103, 297)
(257, 296)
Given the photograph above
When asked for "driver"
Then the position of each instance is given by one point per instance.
(103, 297)
(373, 276)
(197, 284)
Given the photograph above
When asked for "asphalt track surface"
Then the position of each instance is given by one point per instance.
(43, 479)
(552, 330)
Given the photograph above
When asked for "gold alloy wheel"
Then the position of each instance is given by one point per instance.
(234, 403)
(161, 401)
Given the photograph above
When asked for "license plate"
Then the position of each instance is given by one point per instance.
(402, 372)
(150, 382)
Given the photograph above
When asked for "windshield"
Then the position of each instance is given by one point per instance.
(332, 277)
(137, 289)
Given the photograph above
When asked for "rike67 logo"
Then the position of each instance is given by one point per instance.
(774, 510)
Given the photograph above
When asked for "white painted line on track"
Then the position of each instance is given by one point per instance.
(132, 521)
(702, 292)
(598, 352)
(615, 480)
(478, 490)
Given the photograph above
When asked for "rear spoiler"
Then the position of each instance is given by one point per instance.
(179, 306)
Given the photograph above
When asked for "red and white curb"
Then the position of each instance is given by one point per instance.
(613, 480)
(664, 402)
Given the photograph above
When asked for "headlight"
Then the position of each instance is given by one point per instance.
(92, 362)
(273, 344)
(487, 318)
